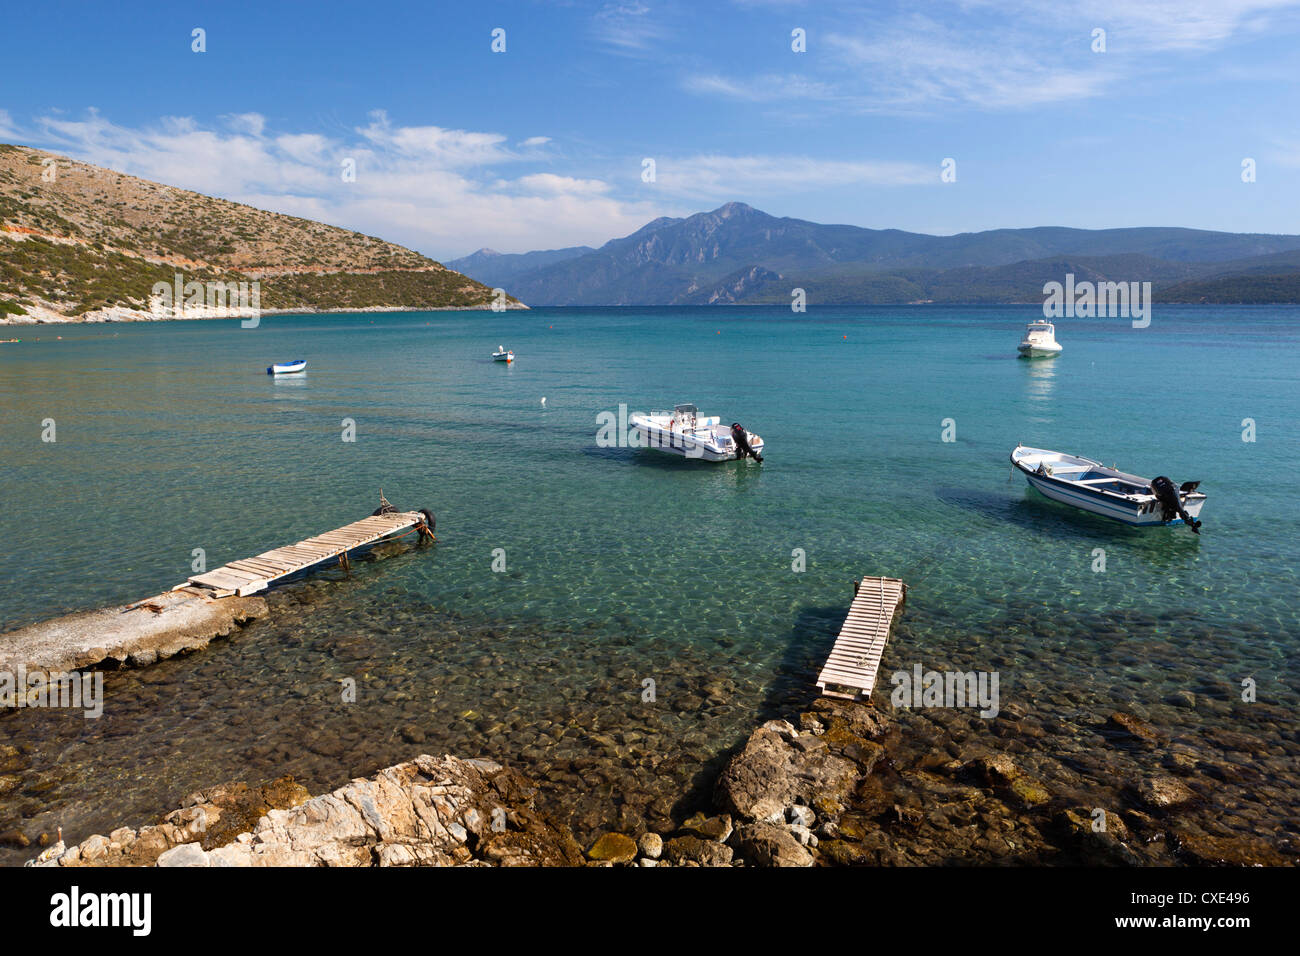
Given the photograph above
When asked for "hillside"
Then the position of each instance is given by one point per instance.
(738, 254)
(83, 242)
(497, 269)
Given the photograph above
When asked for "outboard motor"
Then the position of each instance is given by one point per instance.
(741, 438)
(1172, 503)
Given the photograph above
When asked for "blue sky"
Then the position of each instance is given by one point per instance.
(541, 146)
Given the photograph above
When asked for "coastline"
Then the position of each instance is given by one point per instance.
(793, 796)
(122, 314)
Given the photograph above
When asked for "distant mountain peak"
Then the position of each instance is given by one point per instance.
(485, 252)
(736, 209)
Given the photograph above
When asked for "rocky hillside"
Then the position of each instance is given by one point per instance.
(78, 239)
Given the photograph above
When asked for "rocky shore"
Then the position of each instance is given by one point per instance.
(824, 789)
(38, 315)
(427, 812)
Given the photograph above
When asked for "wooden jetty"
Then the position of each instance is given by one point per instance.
(250, 575)
(850, 670)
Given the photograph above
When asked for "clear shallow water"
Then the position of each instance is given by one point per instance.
(622, 564)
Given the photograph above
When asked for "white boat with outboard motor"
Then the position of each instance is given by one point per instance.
(287, 368)
(1091, 486)
(684, 431)
(1039, 341)
(502, 354)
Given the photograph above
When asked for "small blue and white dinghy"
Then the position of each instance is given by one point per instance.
(1091, 486)
(287, 368)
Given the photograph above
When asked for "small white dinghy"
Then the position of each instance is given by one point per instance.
(287, 368)
(1039, 341)
(1091, 486)
(502, 354)
(684, 432)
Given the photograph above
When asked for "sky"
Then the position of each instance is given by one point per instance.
(455, 146)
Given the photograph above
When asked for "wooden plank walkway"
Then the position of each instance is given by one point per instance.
(250, 575)
(850, 670)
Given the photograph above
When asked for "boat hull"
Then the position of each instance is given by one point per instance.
(1039, 351)
(286, 368)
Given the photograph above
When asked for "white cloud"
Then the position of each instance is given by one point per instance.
(250, 123)
(551, 184)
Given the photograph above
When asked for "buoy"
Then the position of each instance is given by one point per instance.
(543, 401)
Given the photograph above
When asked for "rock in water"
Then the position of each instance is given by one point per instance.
(651, 845)
(772, 773)
(1163, 792)
(1133, 728)
(769, 844)
(613, 848)
(717, 829)
(995, 770)
(689, 849)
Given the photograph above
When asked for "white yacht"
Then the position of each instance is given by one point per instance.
(502, 354)
(1091, 486)
(683, 431)
(1039, 341)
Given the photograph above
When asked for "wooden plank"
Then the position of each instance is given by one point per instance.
(258, 567)
(338, 540)
(217, 579)
(222, 572)
(306, 552)
(235, 572)
(273, 563)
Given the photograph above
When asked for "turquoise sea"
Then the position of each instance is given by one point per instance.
(623, 564)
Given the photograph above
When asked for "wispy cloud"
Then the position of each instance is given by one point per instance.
(716, 178)
(630, 28)
(766, 88)
(994, 54)
(919, 62)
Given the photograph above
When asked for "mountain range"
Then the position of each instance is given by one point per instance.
(737, 254)
(80, 241)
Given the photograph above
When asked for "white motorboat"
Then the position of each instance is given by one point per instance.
(685, 432)
(502, 354)
(287, 368)
(1091, 486)
(1039, 341)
